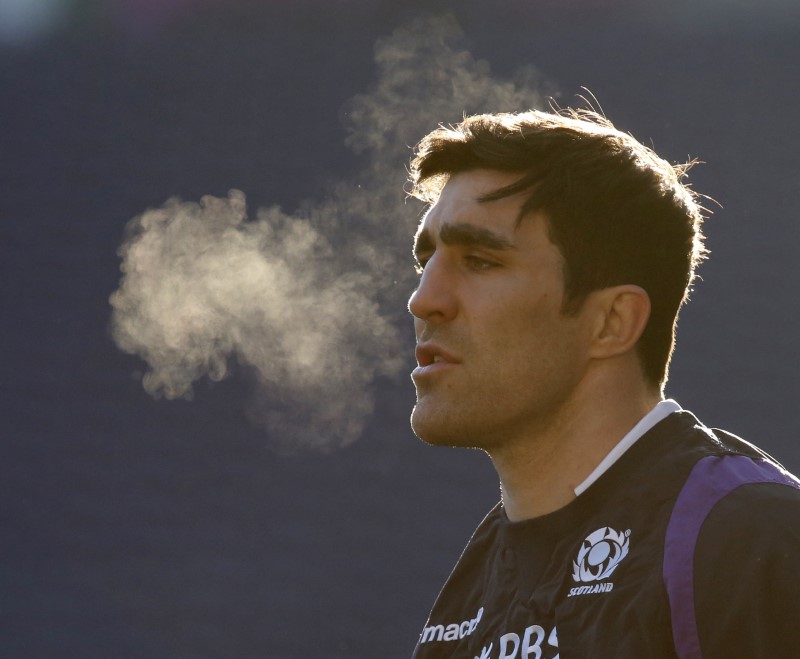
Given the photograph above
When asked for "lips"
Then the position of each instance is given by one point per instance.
(432, 358)
(430, 353)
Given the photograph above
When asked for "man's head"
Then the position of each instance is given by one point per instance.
(617, 213)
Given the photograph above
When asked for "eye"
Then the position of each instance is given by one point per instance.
(478, 263)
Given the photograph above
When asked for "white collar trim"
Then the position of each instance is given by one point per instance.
(660, 412)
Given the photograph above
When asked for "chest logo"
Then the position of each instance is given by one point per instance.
(600, 554)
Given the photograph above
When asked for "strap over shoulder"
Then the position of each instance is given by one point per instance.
(711, 479)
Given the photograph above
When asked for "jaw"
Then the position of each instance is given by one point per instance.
(433, 423)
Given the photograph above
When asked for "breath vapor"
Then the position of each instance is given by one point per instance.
(309, 302)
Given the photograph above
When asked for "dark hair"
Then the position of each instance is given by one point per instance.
(618, 213)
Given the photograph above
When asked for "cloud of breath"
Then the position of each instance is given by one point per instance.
(309, 302)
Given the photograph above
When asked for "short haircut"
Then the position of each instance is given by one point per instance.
(617, 212)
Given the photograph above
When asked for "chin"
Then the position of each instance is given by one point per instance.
(424, 425)
(433, 428)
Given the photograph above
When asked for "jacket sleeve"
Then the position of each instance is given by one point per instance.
(747, 575)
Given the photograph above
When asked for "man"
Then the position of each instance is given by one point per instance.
(554, 258)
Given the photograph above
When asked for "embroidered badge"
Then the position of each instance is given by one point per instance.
(600, 554)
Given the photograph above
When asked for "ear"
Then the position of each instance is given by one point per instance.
(621, 316)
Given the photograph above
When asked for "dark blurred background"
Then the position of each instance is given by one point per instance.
(141, 528)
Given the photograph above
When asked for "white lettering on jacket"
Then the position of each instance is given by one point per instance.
(451, 632)
(527, 645)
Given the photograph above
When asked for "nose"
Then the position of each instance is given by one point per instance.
(434, 301)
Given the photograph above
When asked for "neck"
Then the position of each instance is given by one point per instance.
(539, 472)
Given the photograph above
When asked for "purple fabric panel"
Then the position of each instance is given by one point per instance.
(712, 478)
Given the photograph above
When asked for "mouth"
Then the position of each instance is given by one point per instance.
(432, 358)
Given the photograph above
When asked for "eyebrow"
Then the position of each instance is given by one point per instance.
(463, 234)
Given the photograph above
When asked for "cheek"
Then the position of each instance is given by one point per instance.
(536, 334)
